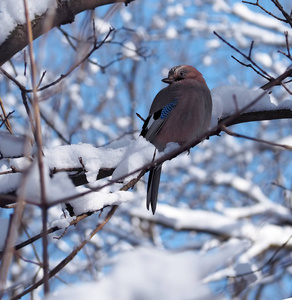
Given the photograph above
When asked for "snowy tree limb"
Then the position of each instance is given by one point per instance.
(63, 14)
(79, 177)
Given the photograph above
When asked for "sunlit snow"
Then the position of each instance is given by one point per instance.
(12, 14)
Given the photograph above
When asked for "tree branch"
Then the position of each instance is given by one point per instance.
(67, 259)
(63, 14)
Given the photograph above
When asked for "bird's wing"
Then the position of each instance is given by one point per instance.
(154, 122)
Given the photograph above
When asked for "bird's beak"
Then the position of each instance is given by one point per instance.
(167, 80)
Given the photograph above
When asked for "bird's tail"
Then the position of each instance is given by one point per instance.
(152, 187)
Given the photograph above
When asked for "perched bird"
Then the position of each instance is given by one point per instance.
(179, 113)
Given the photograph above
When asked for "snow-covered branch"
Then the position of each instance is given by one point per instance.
(44, 19)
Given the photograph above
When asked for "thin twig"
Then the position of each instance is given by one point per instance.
(250, 66)
(265, 264)
(25, 62)
(287, 44)
(288, 54)
(281, 186)
(41, 79)
(250, 49)
(278, 80)
(94, 48)
(272, 81)
(262, 72)
(11, 171)
(5, 120)
(62, 76)
(140, 117)
(74, 222)
(224, 128)
(12, 235)
(287, 17)
(265, 10)
(28, 112)
(49, 231)
(38, 136)
(65, 261)
(20, 86)
(68, 38)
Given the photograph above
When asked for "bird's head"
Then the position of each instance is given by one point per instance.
(183, 72)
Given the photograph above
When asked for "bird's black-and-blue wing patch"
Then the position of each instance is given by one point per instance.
(168, 108)
(154, 123)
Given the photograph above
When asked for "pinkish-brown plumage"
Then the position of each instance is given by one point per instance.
(180, 113)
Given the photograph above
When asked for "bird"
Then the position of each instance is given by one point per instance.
(180, 113)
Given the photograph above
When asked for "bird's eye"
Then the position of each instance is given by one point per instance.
(181, 75)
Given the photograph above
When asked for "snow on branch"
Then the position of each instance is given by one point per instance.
(87, 164)
(44, 17)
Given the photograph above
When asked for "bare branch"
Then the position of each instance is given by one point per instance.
(65, 261)
(265, 10)
(287, 147)
(261, 72)
(287, 17)
(278, 80)
(76, 65)
(288, 54)
(5, 120)
(267, 263)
